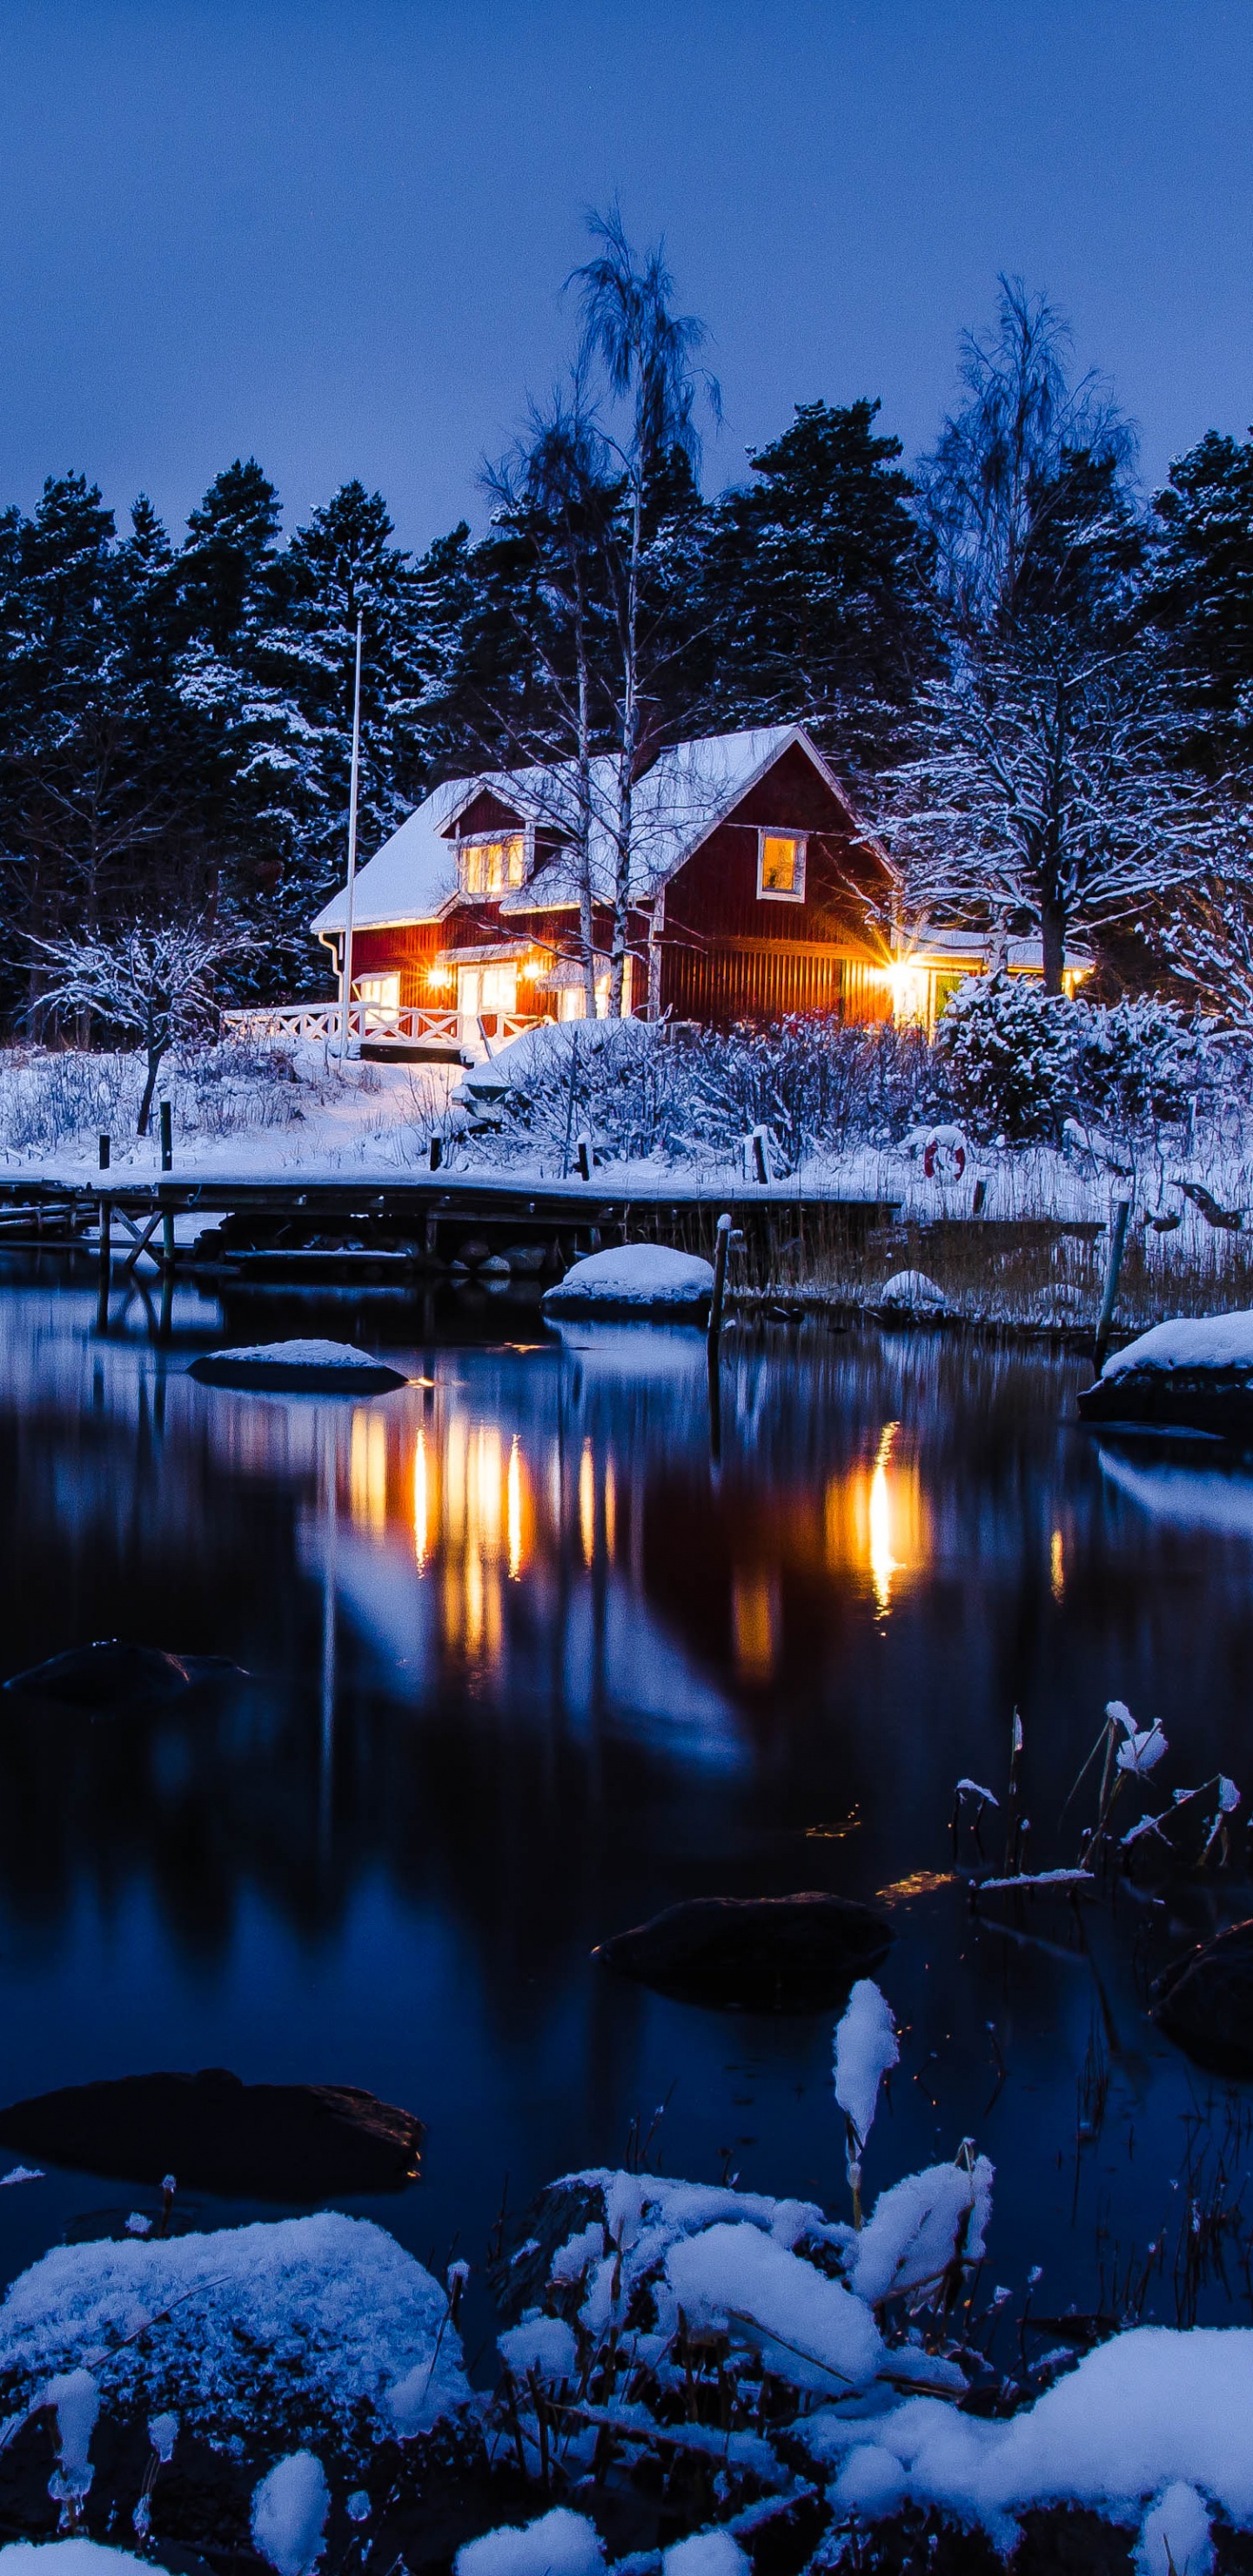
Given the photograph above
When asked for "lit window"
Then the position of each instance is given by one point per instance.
(781, 867)
(487, 867)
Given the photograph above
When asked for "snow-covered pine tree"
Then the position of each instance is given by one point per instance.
(1202, 595)
(816, 581)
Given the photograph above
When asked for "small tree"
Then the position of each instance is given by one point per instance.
(155, 980)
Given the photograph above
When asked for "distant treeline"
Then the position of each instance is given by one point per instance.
(175, 718)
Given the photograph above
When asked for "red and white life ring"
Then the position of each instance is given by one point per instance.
(944, 1154)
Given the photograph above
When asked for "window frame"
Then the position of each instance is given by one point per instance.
(467, 845)
(800, 840)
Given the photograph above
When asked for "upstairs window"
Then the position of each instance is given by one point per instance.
(488, 867)
(781, 867)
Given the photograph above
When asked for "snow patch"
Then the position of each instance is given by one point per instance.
(561, 2543)
(866, 2047)
(289, 2511)
(810, 2331)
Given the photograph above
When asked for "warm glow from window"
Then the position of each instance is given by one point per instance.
(1057, 1565)
(439, 979)
(486, 988)
(487, 867)
(781, 865)
(883, 1564)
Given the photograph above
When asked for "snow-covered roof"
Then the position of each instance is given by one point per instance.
(677, 803)
(413, 876)
(944, 948)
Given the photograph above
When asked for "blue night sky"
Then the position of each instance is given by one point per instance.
(334, 235)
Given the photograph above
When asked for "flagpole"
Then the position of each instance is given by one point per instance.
(345, 990)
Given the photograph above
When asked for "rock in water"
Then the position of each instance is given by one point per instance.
(295, 2142)
(752, 1953)
(1204, 2002)
(639, 1279)
(1194, 1373)
(112, 1675)
(911, 1292)
(311, 1367)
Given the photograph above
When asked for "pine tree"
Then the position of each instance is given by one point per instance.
(816, 578)
(1202, 593)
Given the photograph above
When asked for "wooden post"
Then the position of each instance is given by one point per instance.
(437, 1152)
(1117, 1245)
(585, 1158)
(106, 1259)
(759, 1156)
(167, 1137)
(105, 1151)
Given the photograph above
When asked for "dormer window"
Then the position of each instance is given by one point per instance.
(491, 866)
(781, 867)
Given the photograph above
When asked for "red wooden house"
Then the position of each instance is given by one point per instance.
(754, 892)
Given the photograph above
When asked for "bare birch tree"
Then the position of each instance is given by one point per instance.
(157, 983)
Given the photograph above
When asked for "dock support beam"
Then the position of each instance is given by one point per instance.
(106, 1265)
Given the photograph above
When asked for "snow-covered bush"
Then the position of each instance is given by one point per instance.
(1141, 1064)
(1009, 1052)
(639, 1089)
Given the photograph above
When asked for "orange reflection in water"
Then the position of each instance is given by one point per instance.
(876, 1520)
(754, 1625)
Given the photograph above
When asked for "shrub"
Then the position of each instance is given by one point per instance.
(1011, 1055)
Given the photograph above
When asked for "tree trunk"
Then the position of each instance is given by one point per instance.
(1053, 942)
(156, 1051)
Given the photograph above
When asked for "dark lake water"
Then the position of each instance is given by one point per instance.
(527, 1663)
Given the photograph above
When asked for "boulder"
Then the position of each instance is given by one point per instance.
(1194, 1373)
(1204, 2002)
(315, 1367)
(638, 1279)
(788, 1954)
(911, 1292)
(288, 2142)
(112, 1675)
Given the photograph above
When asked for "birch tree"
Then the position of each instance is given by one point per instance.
(642, 356)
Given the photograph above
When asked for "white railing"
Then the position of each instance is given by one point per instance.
(403, 1024)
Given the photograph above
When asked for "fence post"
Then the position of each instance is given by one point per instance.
(437, 1152)
(1117, 1244)
(167, 1137)
(106, 1148)
(584, 1158)
(718, 1290)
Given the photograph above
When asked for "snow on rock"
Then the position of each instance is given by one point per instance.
(312, 2319)
(647, 1275)
(298, 1363)
(1152, 2408)
(913, 1291)
(561, 2543)
(1187, 1342)
(543, 2347)
(866, 2047)
(809, 2330)
(289, 2511)
(920, 2226)
(707, 2553)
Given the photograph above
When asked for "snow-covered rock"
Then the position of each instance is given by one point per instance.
(912, 1292)
(299, 1364)
(1194, 1371)
(312, 2321)
(646, 1278)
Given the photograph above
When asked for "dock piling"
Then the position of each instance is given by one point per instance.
(167, 1137)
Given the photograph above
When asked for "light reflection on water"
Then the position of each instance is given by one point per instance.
(530, 1661)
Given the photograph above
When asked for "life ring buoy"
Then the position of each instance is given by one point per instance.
(944, 1154)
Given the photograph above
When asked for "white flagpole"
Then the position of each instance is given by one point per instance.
(345, 989)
